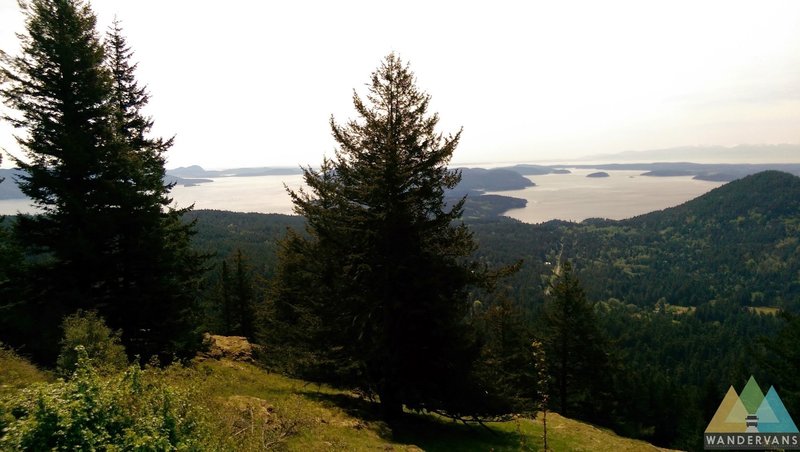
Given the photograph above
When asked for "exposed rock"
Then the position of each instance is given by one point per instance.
(253, 406)
(234, 348)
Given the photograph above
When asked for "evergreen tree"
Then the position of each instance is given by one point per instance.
(236, 299)
(10, 263)
(106, 239)
(9, 257)
(60, 87)
(781, 356)
(245, 297)
(506, 363)
(159, 269)
(575, 347)
(4, 262)
(225, 300)
(378, 289)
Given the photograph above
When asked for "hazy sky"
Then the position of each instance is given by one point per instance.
(253, 83)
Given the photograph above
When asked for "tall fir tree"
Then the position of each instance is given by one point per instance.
(378, 289)
(158, 268)
(576, 348)
(105, 239)
(235, 299)
(245, 305)
(60, 88)
(506, 363)
(10, 257)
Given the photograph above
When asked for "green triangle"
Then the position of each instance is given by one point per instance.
(751, 396)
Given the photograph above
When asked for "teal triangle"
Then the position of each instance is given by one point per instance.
(783, 422)
(765, 414)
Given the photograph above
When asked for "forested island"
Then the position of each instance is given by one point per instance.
(398, 309)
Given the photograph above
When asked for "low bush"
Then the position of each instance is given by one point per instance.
(131, 410)
(101, 343)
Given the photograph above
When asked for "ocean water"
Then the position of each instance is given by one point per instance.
(572, 197)
(262, 194)
(624, 194)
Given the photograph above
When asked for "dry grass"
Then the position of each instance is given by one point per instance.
(675, 309)
(764, 310)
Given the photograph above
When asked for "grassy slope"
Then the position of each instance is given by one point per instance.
(17, 373)
(335, 420)
(250, 409)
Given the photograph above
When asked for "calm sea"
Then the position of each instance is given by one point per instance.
(623, 194)
(572, 197)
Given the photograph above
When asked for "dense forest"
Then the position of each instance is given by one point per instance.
(398, 281)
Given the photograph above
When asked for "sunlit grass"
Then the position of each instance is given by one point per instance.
(332, 419)
(764, 310)
(17, 373)
(247, 408)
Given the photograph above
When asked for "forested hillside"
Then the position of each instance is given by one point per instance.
(738, 243)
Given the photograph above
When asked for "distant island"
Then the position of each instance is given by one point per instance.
(196, 171)
(481, 180)
(598, 174)
(715, 172)
(536, 170)
(170, 179)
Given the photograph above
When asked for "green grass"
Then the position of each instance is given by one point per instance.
(17, 373)
(247, 408)
(331, 419)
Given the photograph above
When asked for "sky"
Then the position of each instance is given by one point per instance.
(246, 83)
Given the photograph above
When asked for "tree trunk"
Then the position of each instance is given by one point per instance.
(391, 406)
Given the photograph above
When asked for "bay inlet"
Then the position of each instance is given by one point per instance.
(571, 197)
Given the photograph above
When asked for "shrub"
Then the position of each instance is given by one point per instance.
(101, 343)
(132, 410)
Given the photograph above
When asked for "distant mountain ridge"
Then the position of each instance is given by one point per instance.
(745, 153)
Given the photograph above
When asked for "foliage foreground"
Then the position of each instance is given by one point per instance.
(225, 405)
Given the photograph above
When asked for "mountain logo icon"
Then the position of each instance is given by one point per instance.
(751, 420)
